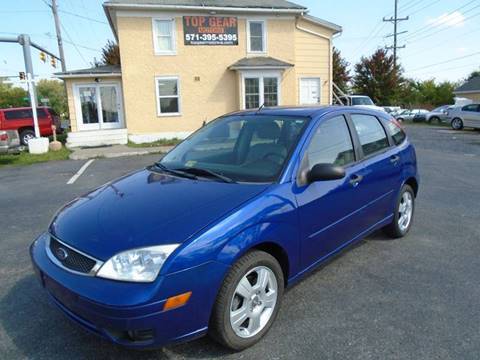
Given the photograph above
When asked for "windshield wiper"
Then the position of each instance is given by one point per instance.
(205, 173)
(176, 172)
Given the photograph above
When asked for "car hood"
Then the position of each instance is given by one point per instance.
(145, 209)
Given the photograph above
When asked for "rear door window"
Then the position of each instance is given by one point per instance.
(370, 132)
(18, 114)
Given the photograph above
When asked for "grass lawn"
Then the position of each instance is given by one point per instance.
(25, 158)
(161, 142)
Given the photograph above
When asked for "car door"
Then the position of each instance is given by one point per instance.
(329, 211)
(382, 167)
(471, 115)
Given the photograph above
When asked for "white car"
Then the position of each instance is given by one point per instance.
(361, 101)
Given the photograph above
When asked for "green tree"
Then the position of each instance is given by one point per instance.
(473, 74)
(111, 54)
(54, 91)
(12, 96)
(376, 77)
(341, 74)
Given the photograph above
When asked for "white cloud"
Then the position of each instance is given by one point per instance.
(455, 19)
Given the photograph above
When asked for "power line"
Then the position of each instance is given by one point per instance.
(425, 7)
(450, 68)
(83, 17)
(428, 27)
(446, 61)
(74, 45)
(443, 29)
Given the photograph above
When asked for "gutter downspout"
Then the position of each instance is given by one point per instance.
(330, 55)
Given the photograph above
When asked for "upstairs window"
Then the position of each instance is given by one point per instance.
(164, 36)
(257, 37)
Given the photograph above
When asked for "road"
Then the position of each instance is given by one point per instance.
(413, 298)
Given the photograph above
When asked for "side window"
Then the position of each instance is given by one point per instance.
(472, 107)
(331, 144)
(396, 132)
(18, 114)
(371, 133)
(164, 36)
(256, 41)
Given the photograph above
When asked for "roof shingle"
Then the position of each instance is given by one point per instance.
(266, 4)
(471, 85)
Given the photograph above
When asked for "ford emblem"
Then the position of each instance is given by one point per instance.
(62, 254)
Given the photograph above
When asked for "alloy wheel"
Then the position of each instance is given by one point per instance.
(405, 211)
(253, 301)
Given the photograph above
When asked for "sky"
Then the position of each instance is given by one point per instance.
(442, 38)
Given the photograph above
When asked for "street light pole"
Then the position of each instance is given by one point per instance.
(59, 34)
(24, 40)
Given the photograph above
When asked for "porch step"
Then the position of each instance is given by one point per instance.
(97, 138)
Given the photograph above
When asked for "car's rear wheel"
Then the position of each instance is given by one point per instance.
(26, 135)
(403, 216)
(457, 124)
(248, 301)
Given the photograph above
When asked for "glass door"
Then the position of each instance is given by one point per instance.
(110, 105)
(89, 119)
(98, 106)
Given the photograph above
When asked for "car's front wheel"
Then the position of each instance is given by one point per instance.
(403, 216)
(457, 124)
(248, 301)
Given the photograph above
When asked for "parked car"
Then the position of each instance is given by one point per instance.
(410, 114)
(391, 109)
(360, 100)
(206, 239)
(21, 119)
(464, 116)
(9, 142)
(436, 115)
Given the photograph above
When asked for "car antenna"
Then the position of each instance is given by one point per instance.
(260, 108)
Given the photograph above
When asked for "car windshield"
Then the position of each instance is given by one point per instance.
(239, 148)
(362, 100)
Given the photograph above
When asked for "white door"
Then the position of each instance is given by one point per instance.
(98, 106)
(309, 91)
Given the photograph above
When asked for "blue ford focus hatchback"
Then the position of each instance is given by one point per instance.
(207, 239)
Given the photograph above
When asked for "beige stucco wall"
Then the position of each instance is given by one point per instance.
(70, 83)
(475, 97)
(218, 90)
(313, 55)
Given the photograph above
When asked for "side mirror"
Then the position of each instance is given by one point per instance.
(323, 172)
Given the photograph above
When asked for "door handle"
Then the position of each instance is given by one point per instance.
(394, 159)
(355, 180)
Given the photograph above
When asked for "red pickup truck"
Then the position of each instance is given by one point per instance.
(21, 119)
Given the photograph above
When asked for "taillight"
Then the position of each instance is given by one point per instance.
(3, 136)
(397, 123)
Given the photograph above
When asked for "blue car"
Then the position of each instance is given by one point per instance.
(207, 239)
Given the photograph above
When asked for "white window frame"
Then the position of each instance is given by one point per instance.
(316, 77)
(157, 94)
(264, 37)
(156, 48)
(261, 75)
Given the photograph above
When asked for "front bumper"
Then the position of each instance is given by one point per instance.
(131, 314)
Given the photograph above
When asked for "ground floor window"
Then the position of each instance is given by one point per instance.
(260, 90)
(168, 98)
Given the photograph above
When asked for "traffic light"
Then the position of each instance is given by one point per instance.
(43, 57)
(53, 62)
(21, 75)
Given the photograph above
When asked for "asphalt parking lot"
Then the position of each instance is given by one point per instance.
(413, 298)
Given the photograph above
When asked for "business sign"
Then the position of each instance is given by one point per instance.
(210, 30)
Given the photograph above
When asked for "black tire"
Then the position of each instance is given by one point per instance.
(220, 328)
(457, 124)
(393, 229)
(400, 119)
(26, 135)
(434, 118)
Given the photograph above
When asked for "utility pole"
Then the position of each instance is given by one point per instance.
(395, 21)
(59, 34)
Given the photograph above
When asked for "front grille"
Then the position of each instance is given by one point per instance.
(70, 258)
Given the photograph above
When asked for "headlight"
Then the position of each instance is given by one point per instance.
(137, 265)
